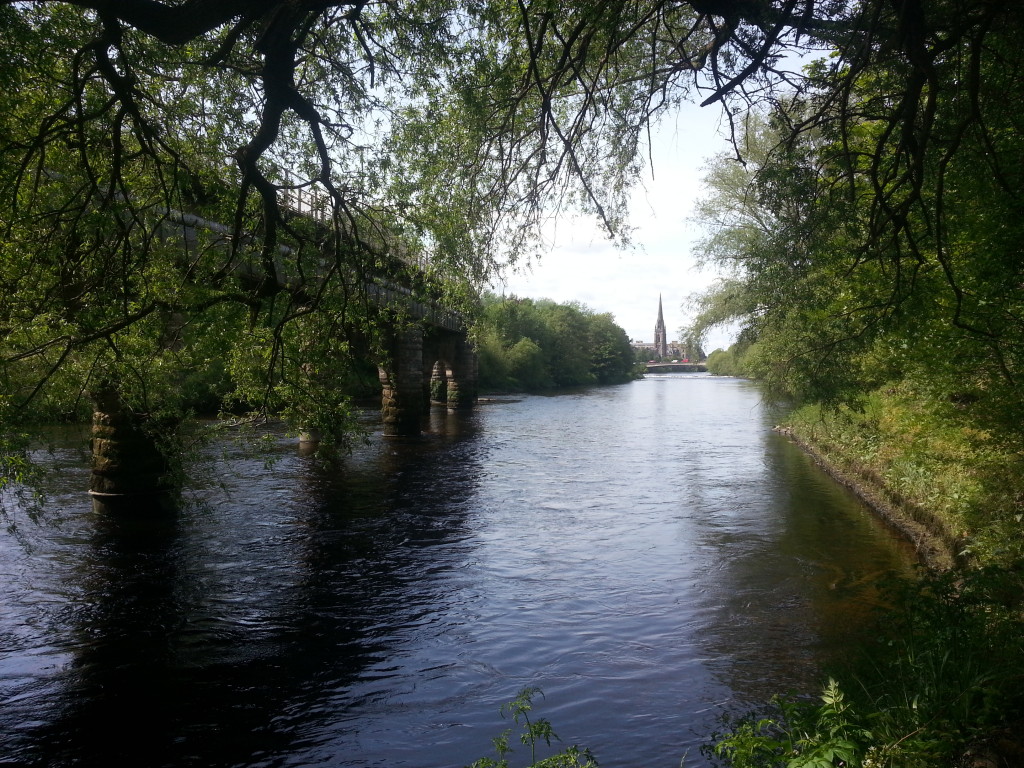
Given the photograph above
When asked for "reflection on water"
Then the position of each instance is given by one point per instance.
(647, 554)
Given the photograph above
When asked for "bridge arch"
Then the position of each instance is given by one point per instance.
(425, 363)
(450, 368)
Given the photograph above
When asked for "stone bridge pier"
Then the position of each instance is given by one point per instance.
(425, 365)
(127, 459)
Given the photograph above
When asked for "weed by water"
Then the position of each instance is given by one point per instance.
(796, 734)
(533, 731)
(944, 672)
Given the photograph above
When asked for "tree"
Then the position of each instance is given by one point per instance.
(532, 345)
(438, 135)
(875, 238)
(512, 335)
(611, 355)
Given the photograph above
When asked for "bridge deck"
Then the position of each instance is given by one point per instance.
(676, 368)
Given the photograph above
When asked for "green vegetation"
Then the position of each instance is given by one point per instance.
(871, 243)
(429, 141)
(872, 233)
(534, 731)
(942, 680)
(871, 228)
(873, 258)
(933, 462)
(871, 247)
(726, 362)
(528, 345)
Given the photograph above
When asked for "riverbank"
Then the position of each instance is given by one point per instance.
(948, 645)
(934, 543)
(939, 680)
(946, 483)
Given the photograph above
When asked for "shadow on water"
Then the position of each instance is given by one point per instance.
(227, 633)
(646, 553)
(799, 576)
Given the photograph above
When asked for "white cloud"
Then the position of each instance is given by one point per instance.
(583, 266)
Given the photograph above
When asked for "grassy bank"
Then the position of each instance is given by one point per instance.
(939, 686)
(952, 487)
(941, 682)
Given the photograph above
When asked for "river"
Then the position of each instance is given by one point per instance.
(650, 555)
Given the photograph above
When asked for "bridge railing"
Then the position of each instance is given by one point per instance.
(303, 198)
(384, 292)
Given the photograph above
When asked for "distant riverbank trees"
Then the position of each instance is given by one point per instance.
(727, 362)
(529, 345)
(870, 242)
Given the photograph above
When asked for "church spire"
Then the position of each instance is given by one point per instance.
(660, 337)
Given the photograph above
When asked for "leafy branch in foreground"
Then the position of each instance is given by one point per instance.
(533, 732)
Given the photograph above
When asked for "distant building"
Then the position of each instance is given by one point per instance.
(660, 337)
(662, 348)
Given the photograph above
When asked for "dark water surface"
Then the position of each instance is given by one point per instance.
(648, 555)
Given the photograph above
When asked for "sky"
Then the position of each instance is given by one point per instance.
(582, 265)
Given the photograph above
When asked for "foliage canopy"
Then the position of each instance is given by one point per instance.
(431, 141)
(874, 232)
(532, 345)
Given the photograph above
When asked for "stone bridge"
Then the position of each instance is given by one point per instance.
(676, 368)
(428, 358)
(425, 364)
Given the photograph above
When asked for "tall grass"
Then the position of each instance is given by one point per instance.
(932, 462)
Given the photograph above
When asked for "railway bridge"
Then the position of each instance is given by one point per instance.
(426, 358)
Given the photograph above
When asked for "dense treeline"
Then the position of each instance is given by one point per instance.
(529, 345)
(866, 256)
(871, 240)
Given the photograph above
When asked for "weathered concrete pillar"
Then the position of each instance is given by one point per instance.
(462, 383)
(126, 460)
(402, 383)
(309, 441)
(439, 382)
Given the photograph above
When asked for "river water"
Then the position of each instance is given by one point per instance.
(649, 555)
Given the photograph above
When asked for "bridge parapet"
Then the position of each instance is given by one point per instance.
(676, 368)
(386, 293)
